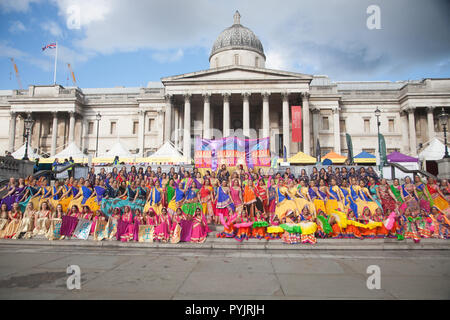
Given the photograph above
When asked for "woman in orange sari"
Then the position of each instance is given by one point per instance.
(437, 196)
(250, 194)
(207, 199)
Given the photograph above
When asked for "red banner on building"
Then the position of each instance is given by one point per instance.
(296, 123)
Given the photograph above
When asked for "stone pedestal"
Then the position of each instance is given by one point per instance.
(444, 168)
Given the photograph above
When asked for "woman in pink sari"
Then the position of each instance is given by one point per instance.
(151, 218)
(162, 230)
(175, 228)
(74, 212)
(87, 213)
(95, 218)
(236, 196)
(199, 228)
(127, 217)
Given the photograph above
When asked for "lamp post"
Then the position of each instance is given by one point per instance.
(28, 125)
(98, 117)
(443, 119)
(377, 114)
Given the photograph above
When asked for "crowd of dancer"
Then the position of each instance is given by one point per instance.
(147, 205)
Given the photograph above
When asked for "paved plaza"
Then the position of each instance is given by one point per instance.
(39, 272)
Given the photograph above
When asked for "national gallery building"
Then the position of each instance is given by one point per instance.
(238, 96)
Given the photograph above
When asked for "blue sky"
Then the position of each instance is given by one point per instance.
(129, 43)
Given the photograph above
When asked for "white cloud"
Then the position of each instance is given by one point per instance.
(277, 59)
(90, 11)
(22, 57)
(164, 56)
(52, 27)
(313, 37)
(16, 27)
(16, 5)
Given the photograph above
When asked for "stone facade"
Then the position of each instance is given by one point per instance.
(236, 96)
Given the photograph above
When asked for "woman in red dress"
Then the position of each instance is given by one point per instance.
(387, 198)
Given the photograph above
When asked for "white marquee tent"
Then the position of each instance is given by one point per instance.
(117, 150)
(19, 153)
(167, 153)
(434, 151)
(70, 151)
(167, 150)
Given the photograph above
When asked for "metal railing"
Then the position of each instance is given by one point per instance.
(414, 172)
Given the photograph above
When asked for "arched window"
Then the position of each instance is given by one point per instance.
(236, 59)
(256, 62)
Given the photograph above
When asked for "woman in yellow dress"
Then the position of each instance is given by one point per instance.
(4, 218)
(335, 199)
(154, 198)
(437, 196)
(360, 198)
(57, 191)
(86, 197)
(45, 193)
(68, 194)
(15, 216)
(317, 197)
(303, 193)
(26, 227)
(366, 198)
(42, 220)
(284, 201)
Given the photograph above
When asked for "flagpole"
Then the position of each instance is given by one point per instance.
(56, 58)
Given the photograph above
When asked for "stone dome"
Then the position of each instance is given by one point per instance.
(237, 37)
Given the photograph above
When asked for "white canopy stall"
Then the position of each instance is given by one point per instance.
(117, 149)
(433, 152)
(19, 153)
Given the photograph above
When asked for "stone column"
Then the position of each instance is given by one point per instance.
(187, 127)
(246, 114)
(315, 115)
(265, 115)
(206, 115)
(337, 131)
(412, 131)
(226, 114)
(306, 129)
(84, 134)
(430, 120)
(404, 130)
(176, 117)
(286, 131)
(159, 125)
(71, 126)
(54, 133)
(168, 118)
(12, 131)
(141, 133)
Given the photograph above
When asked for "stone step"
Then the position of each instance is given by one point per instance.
(251, 244)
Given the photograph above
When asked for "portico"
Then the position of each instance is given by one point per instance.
(251, 102)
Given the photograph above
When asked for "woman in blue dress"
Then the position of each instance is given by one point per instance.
(373, 191)
(141, 193)
(30, 191)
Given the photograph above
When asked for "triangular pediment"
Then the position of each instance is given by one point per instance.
(238, 73)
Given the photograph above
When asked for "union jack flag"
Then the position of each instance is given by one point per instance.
(49, 46)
